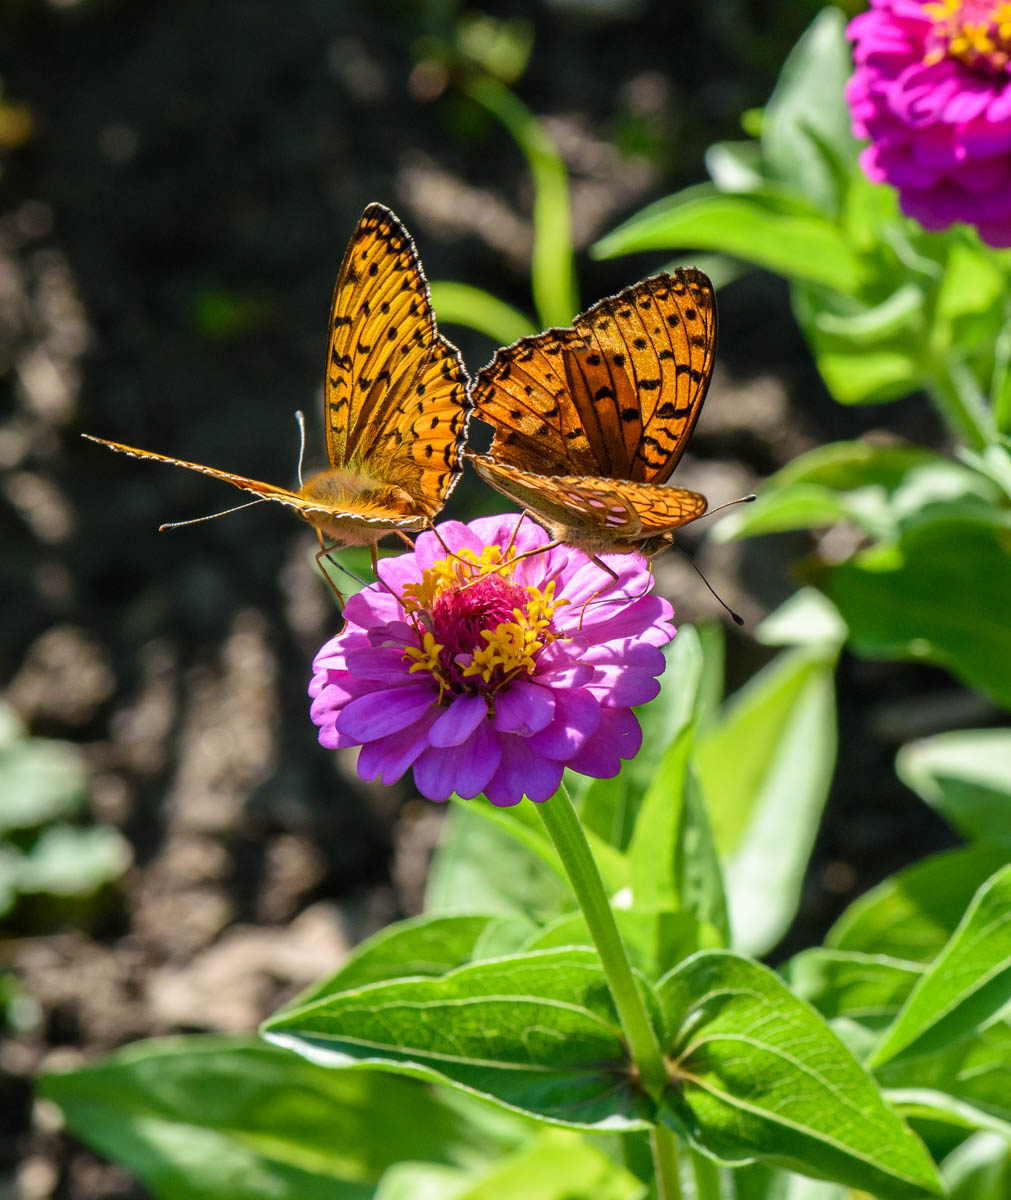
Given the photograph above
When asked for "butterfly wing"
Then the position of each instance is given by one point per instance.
(396, 402)
(616, 395)
(594, 509)
(314, 511)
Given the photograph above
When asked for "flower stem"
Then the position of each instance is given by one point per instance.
(707, 1177)
(566, 832)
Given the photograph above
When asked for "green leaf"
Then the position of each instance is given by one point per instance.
(940, 595)
(765, 768)
(878, 488)
(481, 867)
(767, 227)
(912, 914)
(968, 985)
(974, 1070)
(807, 618)
(234, 1119)
(806, 136)
(474, 308)
(925, 1108)
(420, 946)
(979, 1169)
(656, 940)
(66, 861)
(856, 368)
(673, 861)
(966, 777)
(761, 1075)
(536, 1033)
(552, 270)
(554, 1165)
(868, 988)
(40, 781)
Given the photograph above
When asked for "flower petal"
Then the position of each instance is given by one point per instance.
(458, 721)
(389, 757)
(466, 770)
(577, 715)
(378, 714)
(618, 737)
(522, 772)
(523, 708)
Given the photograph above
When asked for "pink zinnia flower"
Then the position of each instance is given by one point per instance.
(932, 90)
(487, 672)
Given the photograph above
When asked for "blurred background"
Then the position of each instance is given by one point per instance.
(177, 184)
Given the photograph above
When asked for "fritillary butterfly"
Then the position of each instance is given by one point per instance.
(396, 404)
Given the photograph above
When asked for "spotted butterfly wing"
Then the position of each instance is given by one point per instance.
(590, 421)
(396, 404)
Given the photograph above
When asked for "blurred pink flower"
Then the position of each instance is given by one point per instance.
(486, 680)
(932, 90)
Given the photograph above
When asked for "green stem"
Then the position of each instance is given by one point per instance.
(957, 397)
(665, 1160)
(566, 832)
(707, 1177)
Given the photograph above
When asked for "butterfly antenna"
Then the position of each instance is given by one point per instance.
(209, 517)
(729, 504)
(300, 418)
(735, 617)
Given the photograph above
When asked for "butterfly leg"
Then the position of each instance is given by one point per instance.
(597, 562)
(322, 553)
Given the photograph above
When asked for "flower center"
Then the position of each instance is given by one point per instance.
(477, 629)
(975, 32)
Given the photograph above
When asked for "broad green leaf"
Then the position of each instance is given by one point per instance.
(759, 1182)
(869, 988)
(806, 136)
(925, 1108)
(966, 777)
(767, 227)
(807, 618)
(40, 781)
(419, 946)
(764, 769)
(940, 595)
(878, 488)
(967, 986)
(67, 861)
(856, 372)
(536, 1033)
(761, 1075)
(912, 914)
(979, 1169)
(554, 1165)
(974, 1070)
(461, 304)
(673, 861)
(234, 1119)
(656, 940)
(480, 867)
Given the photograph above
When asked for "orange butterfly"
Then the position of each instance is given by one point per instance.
(590, 421)
(396, 406)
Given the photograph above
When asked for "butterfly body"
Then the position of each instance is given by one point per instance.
(591, 421)
(395, 400)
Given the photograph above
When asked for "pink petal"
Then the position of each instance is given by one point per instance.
(619, 737)
(389, 757)
(458, 721)
(577, 716)
(466, 769)
(520, 773)
(523, 708)
(378, 714)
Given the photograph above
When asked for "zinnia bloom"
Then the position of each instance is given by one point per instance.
(488, 672)
(932, 90)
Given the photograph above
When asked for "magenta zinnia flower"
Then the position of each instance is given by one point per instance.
(484, 672)
(932, 90)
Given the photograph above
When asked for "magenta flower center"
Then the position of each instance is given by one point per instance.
(477, 628)
(977, 33)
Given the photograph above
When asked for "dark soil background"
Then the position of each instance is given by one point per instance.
(177, 183)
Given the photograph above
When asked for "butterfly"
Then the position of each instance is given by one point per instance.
(590, 421)
(395, 407)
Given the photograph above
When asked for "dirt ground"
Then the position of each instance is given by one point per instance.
(172, 215)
